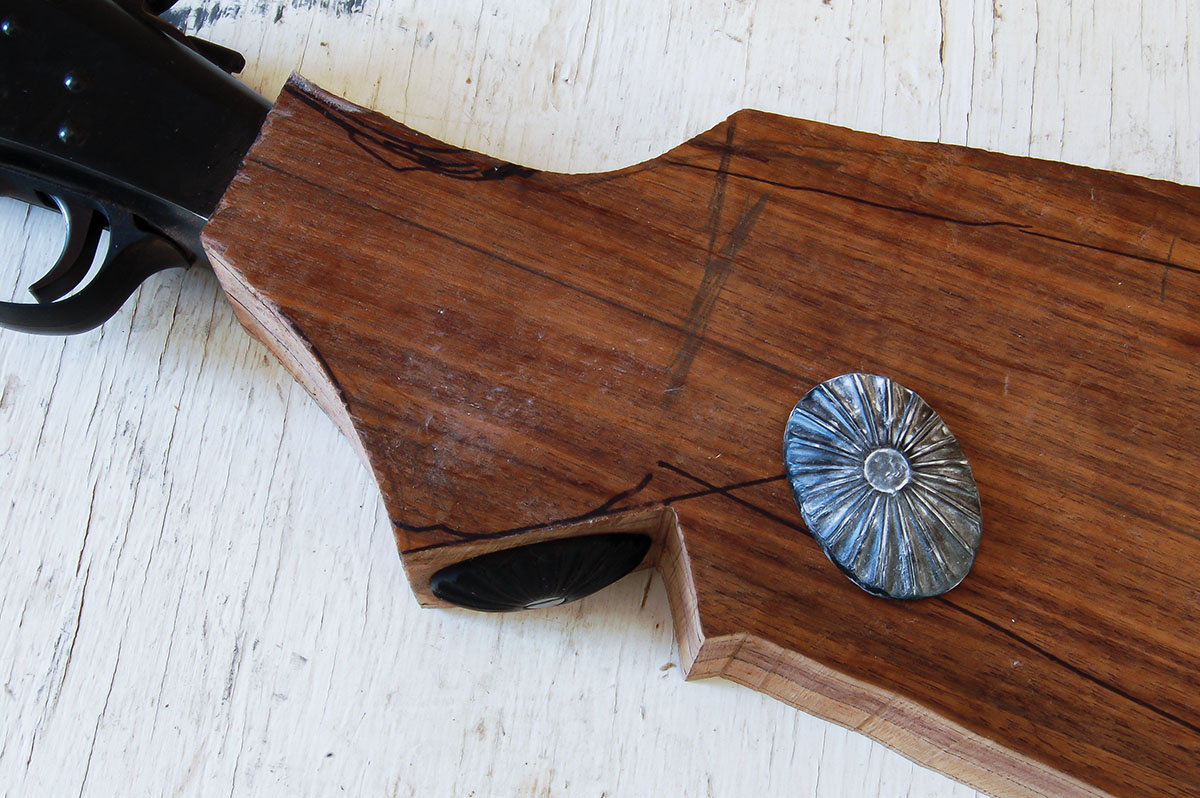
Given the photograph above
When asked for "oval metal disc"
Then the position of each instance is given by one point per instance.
(883, 486)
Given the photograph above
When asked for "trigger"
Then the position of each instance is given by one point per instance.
(84, 226)
(117, 279)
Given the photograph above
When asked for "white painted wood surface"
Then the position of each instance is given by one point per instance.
(199, 592)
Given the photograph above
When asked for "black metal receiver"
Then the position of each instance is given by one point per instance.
(117, 120)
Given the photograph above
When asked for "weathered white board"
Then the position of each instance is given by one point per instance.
(198, 588)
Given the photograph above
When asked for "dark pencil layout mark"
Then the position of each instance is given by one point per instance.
(726, 491)
(609, 506)
(1162, 294)
(717, 267)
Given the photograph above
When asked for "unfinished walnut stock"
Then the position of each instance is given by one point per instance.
(523, 356)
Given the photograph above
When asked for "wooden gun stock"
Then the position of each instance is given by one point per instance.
(522, 356)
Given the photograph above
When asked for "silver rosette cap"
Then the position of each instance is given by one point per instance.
(883, 486)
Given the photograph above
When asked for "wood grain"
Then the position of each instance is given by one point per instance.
(217, 537)
(527, 355)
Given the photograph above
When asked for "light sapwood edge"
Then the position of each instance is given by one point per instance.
(902, 725)
(925, 737)
(283, 339)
